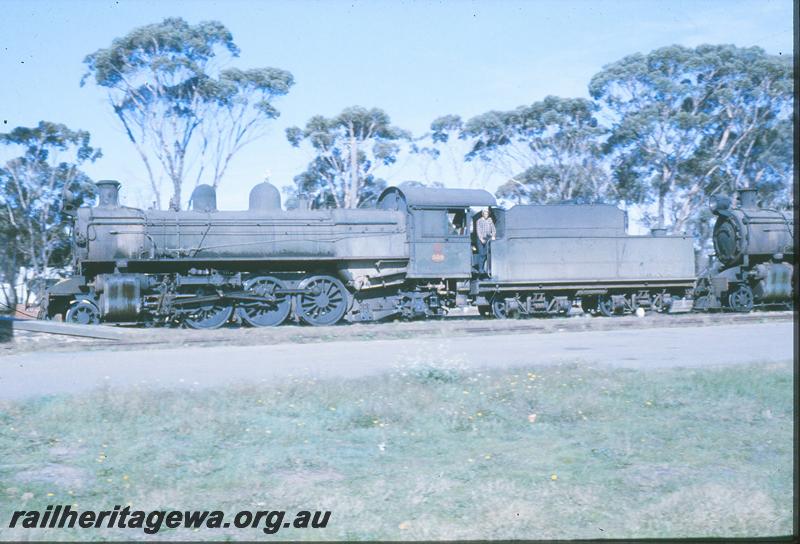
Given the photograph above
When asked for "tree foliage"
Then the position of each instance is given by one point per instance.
(35, 187)
(349, 150)
(440, 154)
(548, 151)
(689, 123)
(186, 116)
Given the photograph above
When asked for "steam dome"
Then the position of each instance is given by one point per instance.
(265, 196)
(204, 198)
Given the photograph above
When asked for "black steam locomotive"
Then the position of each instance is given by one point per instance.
(753, 263)
(412, 255)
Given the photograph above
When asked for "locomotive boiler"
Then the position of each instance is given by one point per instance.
(753, 264)
(412, 255)
(203, 267)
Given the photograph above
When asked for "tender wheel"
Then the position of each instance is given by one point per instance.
(324, 302)
(264, 314)
(210, 315)
(83, 312)
(499, 309)
(605, 305)
(741, 300)
(664, 302)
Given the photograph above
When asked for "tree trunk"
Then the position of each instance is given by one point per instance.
(11, 298)
(351, 200)
(662, 191)
(175, 201)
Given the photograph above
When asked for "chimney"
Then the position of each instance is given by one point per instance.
(658, 232)
(108, 193)
(747, 198)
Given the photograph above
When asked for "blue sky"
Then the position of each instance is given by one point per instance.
(416, 60)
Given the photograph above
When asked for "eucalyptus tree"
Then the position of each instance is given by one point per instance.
(185, 114)
(36, 188)
(348, 152)
(548, 151)
(692, 122)
(440, 152)
(9, 262)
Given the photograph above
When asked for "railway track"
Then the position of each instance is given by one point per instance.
(636, 323)
(36, 335)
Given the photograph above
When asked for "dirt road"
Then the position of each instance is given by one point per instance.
(42, 373)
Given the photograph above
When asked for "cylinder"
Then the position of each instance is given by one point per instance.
(774, 282)
(120, 296)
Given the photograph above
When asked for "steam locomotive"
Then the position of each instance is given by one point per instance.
(753, 263)
(412, 256)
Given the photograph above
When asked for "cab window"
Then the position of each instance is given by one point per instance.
(433, 223)
(457, 222)
(443, 223)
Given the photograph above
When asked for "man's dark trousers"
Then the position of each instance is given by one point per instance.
(483, 251)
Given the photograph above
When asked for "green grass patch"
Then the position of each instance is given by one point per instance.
(427, 452)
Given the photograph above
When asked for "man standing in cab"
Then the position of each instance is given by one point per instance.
(486, 232)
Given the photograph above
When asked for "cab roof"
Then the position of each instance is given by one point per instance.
(400, 198)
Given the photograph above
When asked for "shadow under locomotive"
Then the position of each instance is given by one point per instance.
(411, 256)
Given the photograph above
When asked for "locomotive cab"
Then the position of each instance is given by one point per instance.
(439, 235)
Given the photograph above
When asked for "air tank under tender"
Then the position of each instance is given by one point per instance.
(265, 197)
(204, 198)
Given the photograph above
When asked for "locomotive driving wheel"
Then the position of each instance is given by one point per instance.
(264, 314)
(206, 315)
(83, 312)
(741, 300)
(323, 302)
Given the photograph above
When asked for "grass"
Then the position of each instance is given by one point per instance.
(428, 452)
